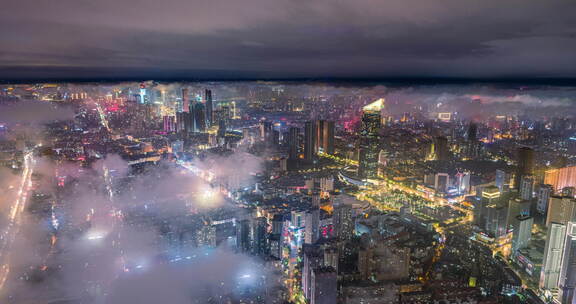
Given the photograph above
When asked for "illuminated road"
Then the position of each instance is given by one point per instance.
(15, 216)
(102, 114)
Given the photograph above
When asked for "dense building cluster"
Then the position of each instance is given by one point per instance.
(342, 194)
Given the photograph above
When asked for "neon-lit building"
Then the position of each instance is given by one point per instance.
(561, 178)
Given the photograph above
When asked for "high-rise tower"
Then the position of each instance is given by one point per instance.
(309, 141)
(368, 148)
(209, 108)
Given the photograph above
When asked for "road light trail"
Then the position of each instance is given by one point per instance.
(103, 119)
(15, 216)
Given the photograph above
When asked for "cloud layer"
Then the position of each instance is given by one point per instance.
(287, 38)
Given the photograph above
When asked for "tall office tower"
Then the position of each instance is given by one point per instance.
(553, 251)
(144, 98)
(441, 148)
(188, 122)
(368, 150)
(472, 132)
(275, 241)
(221, 129)
(243, 235)
(181, 122)
(169, 124)
(503, 180)
(185, 106)
(489, 195)
(567, 282)
(312, 258)
(209, 108)
(526, 187)
(496, 220)
(331, 258)
(259, 238)
(199, 118)
(525, 164)
(463, 183)
(560, 178)
(312, 229)
(278, 224)
(479, 213)
(328, 137)
(325, 136)
(522, 232)
(319, 136)
(266, 128)
(309, 141)
(275, 137)
(516, 207)
(543, 196)
(343, 222)
(472, 146)
(293, 143)
(324, 286)
(560, 210)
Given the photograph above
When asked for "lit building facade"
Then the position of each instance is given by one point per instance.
(368, 149)
(561, 178)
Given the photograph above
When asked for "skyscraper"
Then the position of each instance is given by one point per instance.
(309, 141)
(526, 187)
(221, 128)
(543, 196)
(259, 238)
(243, 235)
(343, 222)
(560, 178)
(368, 149)
(319, 136)
(525, 164)
(557, 258)
(472, 132)
(441, 148)
(199, 119)
(560, 210)
(522, 232)
(489, 195)
(553, 251)
(144, 98)
(209, 108)
(312, 229)
(169, 124)
(266, 128)
(328, 138)
(516, 207)
(312, 258)
(503, 180)
(185, 106)
(567, 284)
(181, 122)
(293, 144)
(324, 137)
(496, 220)
(324, 286)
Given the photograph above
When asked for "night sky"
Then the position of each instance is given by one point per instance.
(217, 39)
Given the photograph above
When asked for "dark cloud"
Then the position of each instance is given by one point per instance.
(287, 38)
